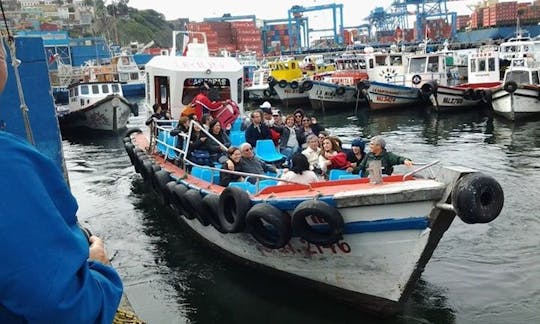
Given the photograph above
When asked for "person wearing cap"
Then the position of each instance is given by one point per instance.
(377, 147)
(356, 154)
(266, 109)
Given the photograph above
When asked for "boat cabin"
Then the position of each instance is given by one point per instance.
(421, 68)
(285, 69)
(384, 67)
(522, 71)
(483, 66)
(173, 81)
(82, 95)
(127, 69)
(518, 47)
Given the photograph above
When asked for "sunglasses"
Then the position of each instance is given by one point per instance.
(298, 116)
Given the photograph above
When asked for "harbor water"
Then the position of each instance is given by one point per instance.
(488, 273)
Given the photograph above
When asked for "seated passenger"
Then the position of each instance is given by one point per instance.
(356, 154)
(299, 171)
(291, 138)
(331, 156)
(251, 164)
(257, 130)
(215, 149)
(377, 146)
(158, 114)
(312, 152)
(232, 164)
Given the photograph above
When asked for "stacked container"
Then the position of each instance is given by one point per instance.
(246, 36)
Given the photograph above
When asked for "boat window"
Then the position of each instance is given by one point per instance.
(535, 77)
(396, 60)
(473, 65)
(417, 64)
(481, 65)
(371, 64)
(380, 60)
(135, 76)
(115, 88)
(433, 64)
(95, 89)
(193, 86)
(491, 64)
(104, 88)
(85, 90)
(239, 93)
(518, 76)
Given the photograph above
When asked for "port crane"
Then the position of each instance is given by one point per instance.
(296, 12)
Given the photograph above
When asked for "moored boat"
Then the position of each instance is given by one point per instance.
(97, 106)
(483, 77)
(519, 97)
(366, 243)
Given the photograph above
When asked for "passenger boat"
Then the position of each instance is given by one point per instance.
(519, 97)
(483, 76)
(96, 105)
(362, 240)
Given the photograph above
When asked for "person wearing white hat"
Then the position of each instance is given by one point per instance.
(266, 108)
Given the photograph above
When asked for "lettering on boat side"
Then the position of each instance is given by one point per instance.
(385, 99)
(454, 101)
(302, 247)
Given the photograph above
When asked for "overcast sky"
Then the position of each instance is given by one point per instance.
(354, 11)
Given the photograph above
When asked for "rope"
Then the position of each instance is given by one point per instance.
(15, 63)
(124, 316)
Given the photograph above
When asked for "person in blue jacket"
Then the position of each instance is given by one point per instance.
(48, 273)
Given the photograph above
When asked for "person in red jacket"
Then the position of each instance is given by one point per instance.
(206, 101)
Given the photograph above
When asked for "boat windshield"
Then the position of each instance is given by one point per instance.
(518, 77)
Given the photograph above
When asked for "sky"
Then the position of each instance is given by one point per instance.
(354, 11)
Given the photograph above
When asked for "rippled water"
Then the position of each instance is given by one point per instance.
(479, 273)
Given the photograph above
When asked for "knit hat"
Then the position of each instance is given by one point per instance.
(359, 143)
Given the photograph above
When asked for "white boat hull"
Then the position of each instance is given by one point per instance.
(261, 93)
(452, 98)
(384, 96)
(290, 96)
(524, 102)
(109, 114)
(326, 95)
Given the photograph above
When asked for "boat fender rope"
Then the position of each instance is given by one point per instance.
(510, 86)
(320, 210)
(269, 225)
(234, 203)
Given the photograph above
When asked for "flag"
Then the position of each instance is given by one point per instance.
(52, 58)
(427, 32)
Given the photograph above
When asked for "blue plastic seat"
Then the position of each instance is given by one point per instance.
(266, 151)
(250, 188)
(237, 125)
(161, 148)
(202, 173)
(336, 173)
(171, 143)
(237, 138)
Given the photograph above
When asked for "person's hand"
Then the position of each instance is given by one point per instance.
(97, 250)
(349, 169)
(408, 163)
(202, 139)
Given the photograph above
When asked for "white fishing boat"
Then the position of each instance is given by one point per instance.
(260, 90)
(423, 71)
(98, 105)
(338, 90)
(483, 76)
(519, 97)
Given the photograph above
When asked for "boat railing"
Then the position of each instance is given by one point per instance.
(165, 126)
(423, 166)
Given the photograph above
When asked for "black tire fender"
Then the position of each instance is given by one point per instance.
(340, 91)
(234, 204)
(282, 83)
(210, 207)
(161, 178)
(510, 86)
(177, 192)
(266, 93)
(269, 225)
(468, 94)
(321, 210)
(477, 198)
(307, 85)
(146, 170)
(486, 96)
(363, 85)
(429, 88)
(132, 131)
(416, 79)
(271, 80)
(134, 108)
(191, 202)
(129, 150)
(294, 84)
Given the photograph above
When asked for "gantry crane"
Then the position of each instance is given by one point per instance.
(296, 12)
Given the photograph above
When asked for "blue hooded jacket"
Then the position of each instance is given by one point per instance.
(45, 274)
